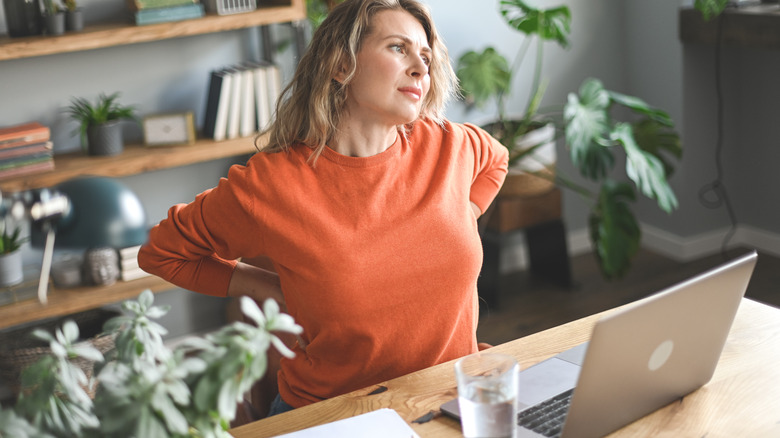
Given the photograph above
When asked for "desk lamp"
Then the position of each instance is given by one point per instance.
(100, 212)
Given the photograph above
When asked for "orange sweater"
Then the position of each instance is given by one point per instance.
(378, 257)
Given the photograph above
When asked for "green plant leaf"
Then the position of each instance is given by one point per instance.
(645, 170)
(483, 76)
(587, 127)
(614, 230)
(710, 8)
(658, 140)
(552, 24)
(639, 106)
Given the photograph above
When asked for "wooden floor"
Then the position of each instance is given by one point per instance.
(528, 305)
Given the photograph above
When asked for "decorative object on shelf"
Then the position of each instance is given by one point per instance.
(66, 270)
(146, 388)
(169, 129)
(101, 266)
(23, 17)
(53, 17)
(227, 7)
(100, 127)
(74, 16)
(592, 133)
(11, 271)
(102, 213)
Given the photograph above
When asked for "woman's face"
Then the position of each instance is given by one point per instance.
(391, 79)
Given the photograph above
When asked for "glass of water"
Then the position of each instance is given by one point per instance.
(487, 395)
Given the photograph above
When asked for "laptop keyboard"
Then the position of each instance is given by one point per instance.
(547, 417)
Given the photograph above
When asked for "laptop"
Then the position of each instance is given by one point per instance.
(638, 359)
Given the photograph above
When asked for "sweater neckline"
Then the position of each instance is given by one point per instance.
(374, 160)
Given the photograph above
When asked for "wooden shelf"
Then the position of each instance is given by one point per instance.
(117, 34)
(747, 26)
(67, 301)
(133, 160)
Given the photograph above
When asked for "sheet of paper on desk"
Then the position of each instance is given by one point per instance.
(382, 423)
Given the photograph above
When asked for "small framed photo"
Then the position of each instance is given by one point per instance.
(169, 129)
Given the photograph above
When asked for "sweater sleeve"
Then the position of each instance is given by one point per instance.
(197, 245)
(490, 166)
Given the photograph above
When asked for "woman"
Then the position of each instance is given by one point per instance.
(365, 201)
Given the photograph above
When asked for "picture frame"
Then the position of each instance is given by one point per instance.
(169, 129)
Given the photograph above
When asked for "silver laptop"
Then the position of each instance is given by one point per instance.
(638, 359)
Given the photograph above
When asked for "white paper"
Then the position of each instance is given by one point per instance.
(382, 423)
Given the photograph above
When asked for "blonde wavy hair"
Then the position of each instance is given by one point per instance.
(311, 106)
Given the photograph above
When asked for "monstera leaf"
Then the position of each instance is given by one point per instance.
(483, 76)
(614, 230)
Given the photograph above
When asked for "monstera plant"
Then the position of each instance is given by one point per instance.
(596, 125)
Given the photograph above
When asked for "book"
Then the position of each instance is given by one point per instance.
(132, 274)
(24, 134)
(29, 169)
(25, 160)
(218, 86)
(137, 5)
(234, 111)
(25, 150)
(248, 122)
(169, 14)
(262, 102)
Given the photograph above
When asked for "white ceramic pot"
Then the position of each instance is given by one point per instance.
(11, 272)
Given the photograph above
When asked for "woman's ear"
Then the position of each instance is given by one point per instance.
(341, 74)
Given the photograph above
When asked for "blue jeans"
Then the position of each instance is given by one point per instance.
(278, 406)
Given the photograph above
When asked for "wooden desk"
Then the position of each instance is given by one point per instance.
(742, 399)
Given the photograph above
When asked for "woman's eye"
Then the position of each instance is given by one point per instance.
(398, 48)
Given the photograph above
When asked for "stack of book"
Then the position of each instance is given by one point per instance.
(164, 11)
(241, 100)
(128, 264)
(25, 149)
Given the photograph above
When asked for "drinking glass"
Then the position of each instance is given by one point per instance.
(487, 395)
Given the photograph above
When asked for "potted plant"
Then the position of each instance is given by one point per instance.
(74, 19)
(143, 388)
(10, 257)
(100, 124)
(54, 17)
(591, 131)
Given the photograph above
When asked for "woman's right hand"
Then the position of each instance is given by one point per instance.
(256, 283)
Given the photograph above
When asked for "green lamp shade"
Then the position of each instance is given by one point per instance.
(103, 213)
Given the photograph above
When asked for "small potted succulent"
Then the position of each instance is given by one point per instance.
(10, 257)
(100, 123)
(54, 17)
(74, 18)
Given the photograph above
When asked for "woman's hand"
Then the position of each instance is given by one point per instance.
(256, 283)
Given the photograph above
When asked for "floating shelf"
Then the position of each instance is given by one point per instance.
(747, 26)
(117, 34)
(133, 160)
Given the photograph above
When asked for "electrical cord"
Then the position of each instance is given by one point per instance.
(714, 194)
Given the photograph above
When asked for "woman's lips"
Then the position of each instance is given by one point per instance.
(412, 91)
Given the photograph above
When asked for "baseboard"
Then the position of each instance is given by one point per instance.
(670, 245)
(690, 248)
